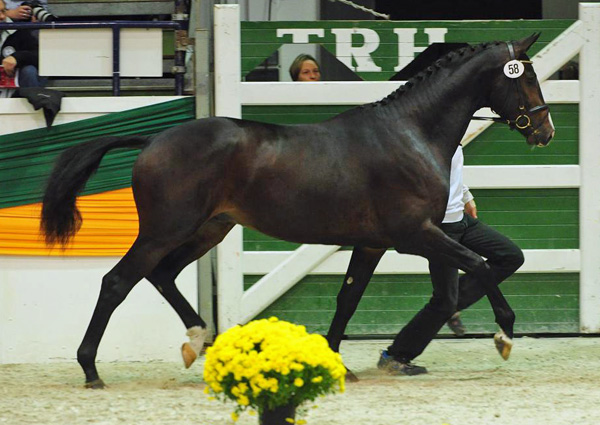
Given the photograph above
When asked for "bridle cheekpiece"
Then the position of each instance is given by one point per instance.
(523, 120)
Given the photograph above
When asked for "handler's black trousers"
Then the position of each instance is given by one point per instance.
(451, 294)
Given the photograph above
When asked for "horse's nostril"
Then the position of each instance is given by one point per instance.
(547, 141)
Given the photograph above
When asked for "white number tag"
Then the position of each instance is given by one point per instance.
(514, 69)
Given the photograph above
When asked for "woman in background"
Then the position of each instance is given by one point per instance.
(305, 68)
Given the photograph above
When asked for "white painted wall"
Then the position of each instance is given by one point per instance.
(562, 9)
(89, 52)
(46, 304)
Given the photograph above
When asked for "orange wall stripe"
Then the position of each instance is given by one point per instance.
(110, 225)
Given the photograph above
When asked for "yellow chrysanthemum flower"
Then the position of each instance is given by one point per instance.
(250, 364)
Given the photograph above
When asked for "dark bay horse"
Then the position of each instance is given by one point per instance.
(374, 177)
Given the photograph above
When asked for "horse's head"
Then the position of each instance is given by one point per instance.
(517, 96)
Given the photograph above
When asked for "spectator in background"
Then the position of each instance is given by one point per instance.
(19, 53)
(23, 10)
(305, 68)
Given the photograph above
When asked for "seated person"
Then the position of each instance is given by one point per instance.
(33, 11)
(19, 53)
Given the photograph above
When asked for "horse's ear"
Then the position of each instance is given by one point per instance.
(521, 46)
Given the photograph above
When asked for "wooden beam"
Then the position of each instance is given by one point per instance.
(282, 277)
(536, 261)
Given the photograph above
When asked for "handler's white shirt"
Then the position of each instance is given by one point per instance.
(459, 192)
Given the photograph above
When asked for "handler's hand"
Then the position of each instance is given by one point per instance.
(9, 63)
(471, 208)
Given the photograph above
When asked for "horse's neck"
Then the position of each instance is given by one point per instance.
(443, 105)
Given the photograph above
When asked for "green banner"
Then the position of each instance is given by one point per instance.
(377, 50)
(26, 158)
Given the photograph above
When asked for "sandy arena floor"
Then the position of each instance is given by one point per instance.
(546, 381)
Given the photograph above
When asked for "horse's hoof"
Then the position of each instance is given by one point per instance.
(351, 377)
(188, 354)
(503, 344)
(96, 384)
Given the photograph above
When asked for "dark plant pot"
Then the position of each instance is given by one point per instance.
(278, 415)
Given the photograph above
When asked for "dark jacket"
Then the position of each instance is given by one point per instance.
(23, 45)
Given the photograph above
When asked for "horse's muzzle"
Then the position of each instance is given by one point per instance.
(541, 136)
(540, 140)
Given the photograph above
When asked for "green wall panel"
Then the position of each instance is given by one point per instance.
(256, 241)
(543, 303)
(533, 218)
(292, 114)
(498, 145)
(27, 157)
(260, 40)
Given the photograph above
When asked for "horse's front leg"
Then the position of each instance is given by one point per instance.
(361, 268)
(439, 246)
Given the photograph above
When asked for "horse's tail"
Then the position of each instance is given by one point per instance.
(61, 219)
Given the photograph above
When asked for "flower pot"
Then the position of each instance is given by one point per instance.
(278, 415)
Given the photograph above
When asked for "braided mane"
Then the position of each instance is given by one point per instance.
(451, 57)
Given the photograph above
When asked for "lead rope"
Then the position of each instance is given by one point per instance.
(363, 8)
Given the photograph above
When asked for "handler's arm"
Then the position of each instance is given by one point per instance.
(469, 201)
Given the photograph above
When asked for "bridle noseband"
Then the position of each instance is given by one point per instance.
(523, 120)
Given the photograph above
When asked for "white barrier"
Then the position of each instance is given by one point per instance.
(46, 305)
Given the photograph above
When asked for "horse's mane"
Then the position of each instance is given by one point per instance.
(455, 57)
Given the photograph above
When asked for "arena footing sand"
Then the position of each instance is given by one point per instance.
(546, 381)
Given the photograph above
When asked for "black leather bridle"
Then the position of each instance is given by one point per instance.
(523, 120)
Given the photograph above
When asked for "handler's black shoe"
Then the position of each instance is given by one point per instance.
(394, 367)
(456, 325)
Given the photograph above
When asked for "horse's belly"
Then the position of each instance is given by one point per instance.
(342, 211)
(303, 225)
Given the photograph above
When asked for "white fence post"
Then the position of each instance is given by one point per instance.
(227, 54)
(589, 161)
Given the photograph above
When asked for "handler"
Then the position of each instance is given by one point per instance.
(451, 294)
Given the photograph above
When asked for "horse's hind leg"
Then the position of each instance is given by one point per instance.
(164, 275)
(141, 258)
(361, 268)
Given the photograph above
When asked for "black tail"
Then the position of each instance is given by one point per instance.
(60, 217)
